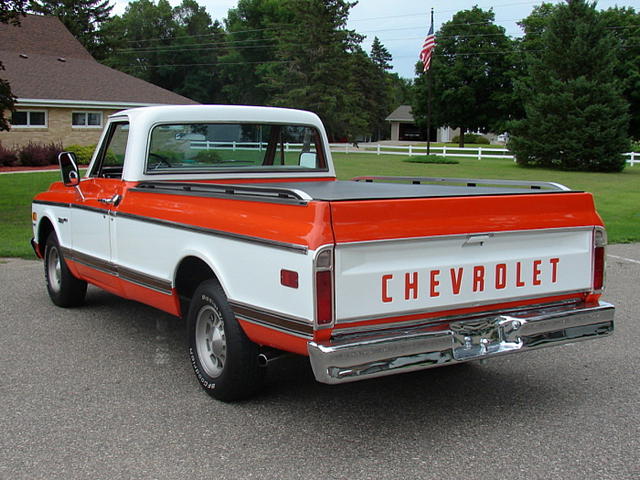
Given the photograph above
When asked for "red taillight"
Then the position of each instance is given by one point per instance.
(324, 297)
(598, 268)
(324, 287)
(599, 242)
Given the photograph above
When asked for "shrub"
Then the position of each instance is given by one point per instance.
(39, 155)
(471, 138)
(431, 159)
(208, 156)
(83, 153)
(8, 156)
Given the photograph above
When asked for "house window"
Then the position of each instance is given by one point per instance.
(86, 119)
(29, 118)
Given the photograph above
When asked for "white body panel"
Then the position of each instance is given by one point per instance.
(400, 277)
(60, 219)
(249, 272)
(90, 233)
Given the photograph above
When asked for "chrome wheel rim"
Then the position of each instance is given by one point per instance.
(211, 343)
(54, 269)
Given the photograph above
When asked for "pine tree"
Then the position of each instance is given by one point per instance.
(624, 25)
(83, 18)
(380, 55)
(576, 118)
(252, 28)
(315, 67)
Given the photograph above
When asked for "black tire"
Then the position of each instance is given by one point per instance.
(224, 360)
(64, 289)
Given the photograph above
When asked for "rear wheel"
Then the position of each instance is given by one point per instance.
(224, 360)
(64, 289)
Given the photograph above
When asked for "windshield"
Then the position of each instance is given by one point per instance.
(234, 147)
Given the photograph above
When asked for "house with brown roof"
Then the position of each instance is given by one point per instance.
(64, 95)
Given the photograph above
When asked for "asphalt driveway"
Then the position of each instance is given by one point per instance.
(106, 391)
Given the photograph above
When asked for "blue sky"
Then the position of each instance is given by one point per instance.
(401, 25)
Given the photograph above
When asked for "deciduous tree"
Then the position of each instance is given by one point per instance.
(10, 13)
(174, 48)
(83, 18)
(471, 75)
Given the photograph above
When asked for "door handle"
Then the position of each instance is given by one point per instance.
(115, 200)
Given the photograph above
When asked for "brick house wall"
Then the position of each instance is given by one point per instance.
(59, 129)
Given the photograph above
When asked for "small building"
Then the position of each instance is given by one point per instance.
(404, 128)
(63, 94)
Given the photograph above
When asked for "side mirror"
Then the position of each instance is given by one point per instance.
(307, 160)
(69, 169)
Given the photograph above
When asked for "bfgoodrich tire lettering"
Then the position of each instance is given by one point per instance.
(64, 289)
(224, 360)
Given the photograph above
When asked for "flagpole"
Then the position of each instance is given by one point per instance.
(429, 97)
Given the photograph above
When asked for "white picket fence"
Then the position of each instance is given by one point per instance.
(633, 158)
(233, 146)
(443, 151)
(378, 149)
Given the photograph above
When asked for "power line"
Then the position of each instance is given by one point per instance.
(267, 44)
(438, 11)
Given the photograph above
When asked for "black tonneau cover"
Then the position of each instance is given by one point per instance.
(363, 190)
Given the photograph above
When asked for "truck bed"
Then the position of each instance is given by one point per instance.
(361, 188)
(341, 190)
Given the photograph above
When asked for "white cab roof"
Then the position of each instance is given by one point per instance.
(142, 120)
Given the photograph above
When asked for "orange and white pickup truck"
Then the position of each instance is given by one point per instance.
(231, 217)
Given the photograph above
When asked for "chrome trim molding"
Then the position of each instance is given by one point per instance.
(261, 193)
(101, 211)
(127, 274)
(218, 233)
(471, 182)
(53, 204)
(386, 353)
(277, 321)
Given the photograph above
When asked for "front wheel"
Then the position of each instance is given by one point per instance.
(64, 289)
(224, 360)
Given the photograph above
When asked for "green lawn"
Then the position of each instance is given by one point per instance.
(617, 194)
(16, 192)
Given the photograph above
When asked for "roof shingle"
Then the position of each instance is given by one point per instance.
(57, 67)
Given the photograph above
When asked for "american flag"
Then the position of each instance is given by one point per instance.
(427, 47)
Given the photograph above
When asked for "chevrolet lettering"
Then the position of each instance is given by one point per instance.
(232, 219)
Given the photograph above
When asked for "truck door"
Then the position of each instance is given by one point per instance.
(92, 215)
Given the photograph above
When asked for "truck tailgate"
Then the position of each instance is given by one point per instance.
(404, 256)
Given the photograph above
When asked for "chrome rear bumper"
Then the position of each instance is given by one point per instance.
(361, 356)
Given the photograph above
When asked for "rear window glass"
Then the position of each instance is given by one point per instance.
(234, 147)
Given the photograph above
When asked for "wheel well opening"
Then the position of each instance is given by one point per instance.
(45, 228)
(191, 272)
